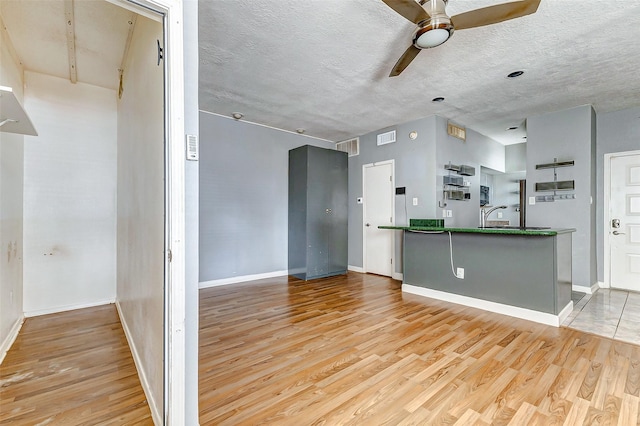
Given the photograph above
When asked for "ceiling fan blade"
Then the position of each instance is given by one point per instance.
(404, 61)
(494, 14)
(410, 9)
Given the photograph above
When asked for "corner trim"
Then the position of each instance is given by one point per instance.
(399, 276)
(498, 308)
(241, 279)
(155, 413)
(588, 290)
(11, 337)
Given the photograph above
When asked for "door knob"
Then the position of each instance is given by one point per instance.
(618, 233)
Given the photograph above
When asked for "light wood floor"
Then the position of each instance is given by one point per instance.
(72, 368)
(355, 350)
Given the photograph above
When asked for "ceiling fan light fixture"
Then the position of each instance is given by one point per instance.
(432, 34)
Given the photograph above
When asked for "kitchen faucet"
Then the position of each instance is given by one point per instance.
(485, 214)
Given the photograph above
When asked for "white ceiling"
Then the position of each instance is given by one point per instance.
(38, 32)
(323, 65)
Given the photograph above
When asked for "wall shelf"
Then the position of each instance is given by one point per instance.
(556, 185)
(13, 118)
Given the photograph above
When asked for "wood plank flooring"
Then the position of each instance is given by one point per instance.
(72, 368)
(355, 350)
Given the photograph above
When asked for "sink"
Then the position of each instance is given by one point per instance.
(528, 228)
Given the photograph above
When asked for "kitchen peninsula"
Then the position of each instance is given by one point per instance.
(525, 273)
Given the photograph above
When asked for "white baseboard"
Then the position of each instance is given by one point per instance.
(11, 337)
(397, 276)
(241, 279)
(499, 308)
(588, 290)
(65, 308)
(153, 406)
(355, 269)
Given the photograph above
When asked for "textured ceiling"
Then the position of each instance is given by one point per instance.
(323, 65)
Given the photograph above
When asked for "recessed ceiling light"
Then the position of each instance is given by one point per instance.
(237, 115)
(512, 128)
(301, 131)
(515, 74)
(438, 99)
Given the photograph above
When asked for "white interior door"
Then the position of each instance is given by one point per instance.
(378, 210)
(624, 222)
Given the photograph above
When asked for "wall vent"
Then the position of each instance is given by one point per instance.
(351, 146)
(456, 131)
(385, 138)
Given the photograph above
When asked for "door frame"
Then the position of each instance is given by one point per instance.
(393, 215)
(606, 215)
(171, 15)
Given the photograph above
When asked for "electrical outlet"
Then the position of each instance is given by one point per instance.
(415, 201)
(444, 213)
(499, 215)
(460, 273)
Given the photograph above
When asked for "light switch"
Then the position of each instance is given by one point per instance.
(415, 201)
(532, 201)
(449, 213)
(499, 215)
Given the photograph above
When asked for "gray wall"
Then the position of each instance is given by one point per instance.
(617, 132)
(414, 169)
(478, 150)
(515, 158)
(244, 196)
(566, 135)
(419, 166)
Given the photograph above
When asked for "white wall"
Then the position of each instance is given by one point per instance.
(140, 223)
(11, 223)
(191, 124)
(69, 196)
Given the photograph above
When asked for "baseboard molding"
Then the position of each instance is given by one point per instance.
(11, 337)
(587, 290)
(355, 269)
(153, 406)
(499, 308)
(399, 276)
(241, 279)
(65, 308)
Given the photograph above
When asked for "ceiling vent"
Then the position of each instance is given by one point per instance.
(385, 138)
(351, 146)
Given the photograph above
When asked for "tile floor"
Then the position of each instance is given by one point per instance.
(607, 312)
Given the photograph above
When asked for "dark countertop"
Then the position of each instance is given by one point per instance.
(504, 231)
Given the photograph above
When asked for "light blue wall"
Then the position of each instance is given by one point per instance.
(617, 131)
(566, 135)
(244, 197)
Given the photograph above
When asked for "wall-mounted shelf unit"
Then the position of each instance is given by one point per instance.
(454, 186)
(555, 185)
(555, 165)
(13, 118)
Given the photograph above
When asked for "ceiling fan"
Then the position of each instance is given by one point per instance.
(435, 26)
